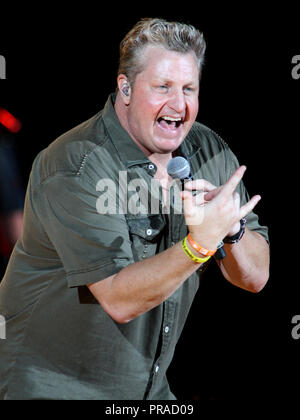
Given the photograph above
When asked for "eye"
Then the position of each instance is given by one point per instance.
(188, 89)
(162, 88)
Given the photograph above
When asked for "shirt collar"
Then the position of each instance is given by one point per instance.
(128, 150)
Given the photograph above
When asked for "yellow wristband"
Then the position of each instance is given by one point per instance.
(192, 256)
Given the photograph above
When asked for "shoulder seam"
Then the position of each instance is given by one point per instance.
(218, 136)
(76, 172)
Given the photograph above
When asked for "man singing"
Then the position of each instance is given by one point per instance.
(95, 302)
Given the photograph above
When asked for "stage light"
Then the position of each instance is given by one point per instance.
(9, 121)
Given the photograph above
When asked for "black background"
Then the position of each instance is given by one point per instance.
(61, 66)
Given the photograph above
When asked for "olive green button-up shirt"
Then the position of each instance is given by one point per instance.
(87, 215)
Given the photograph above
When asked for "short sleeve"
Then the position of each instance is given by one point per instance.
(252, 218)
(91, 246)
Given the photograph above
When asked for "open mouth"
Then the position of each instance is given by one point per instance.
(170, 123)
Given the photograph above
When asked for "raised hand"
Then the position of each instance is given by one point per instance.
(216, 212)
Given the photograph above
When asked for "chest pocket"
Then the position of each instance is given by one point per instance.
(146, 234)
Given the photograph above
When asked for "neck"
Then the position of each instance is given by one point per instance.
(120, 110)
(122, 113)
(161, 160)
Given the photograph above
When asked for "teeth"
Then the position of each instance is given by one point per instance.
(171, 118)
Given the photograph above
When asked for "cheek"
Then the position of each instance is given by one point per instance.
(146, 111)
(193, 108)
(140, 119)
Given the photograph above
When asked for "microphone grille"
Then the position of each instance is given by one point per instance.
(179, 167)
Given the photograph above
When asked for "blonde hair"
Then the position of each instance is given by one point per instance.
(173, 36)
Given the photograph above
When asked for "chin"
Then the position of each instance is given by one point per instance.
(169, 145)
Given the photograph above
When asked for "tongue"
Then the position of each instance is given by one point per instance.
(168, 126)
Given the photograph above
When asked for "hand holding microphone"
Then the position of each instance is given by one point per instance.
(214, 213)
(220, 213)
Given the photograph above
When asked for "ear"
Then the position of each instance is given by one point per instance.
(124, 88)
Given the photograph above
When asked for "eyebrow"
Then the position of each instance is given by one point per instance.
(168, 81)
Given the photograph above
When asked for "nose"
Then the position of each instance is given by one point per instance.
(177, 101)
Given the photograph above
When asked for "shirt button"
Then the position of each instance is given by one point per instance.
(149, 232)
(167, 329)
(151, 167)
(156, 369)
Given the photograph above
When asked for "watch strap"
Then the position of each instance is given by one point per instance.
(238, 236)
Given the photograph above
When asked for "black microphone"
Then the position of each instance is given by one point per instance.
(179, 167)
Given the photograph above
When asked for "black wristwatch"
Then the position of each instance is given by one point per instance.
(238, 236)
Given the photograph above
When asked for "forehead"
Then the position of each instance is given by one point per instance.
(160, 62)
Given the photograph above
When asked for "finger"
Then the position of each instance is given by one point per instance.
(199, 199)
(233, 182)
(188, 202)
(212, 194)
(248, 207)
(186, 196)
(237, 200)
(199, 184)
